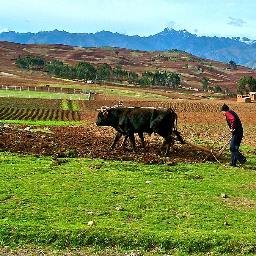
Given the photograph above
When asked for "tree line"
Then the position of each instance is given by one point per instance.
(102, 72)
(246, 84)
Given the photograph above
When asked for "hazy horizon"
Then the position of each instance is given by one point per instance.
(42, 31)
(229, 18)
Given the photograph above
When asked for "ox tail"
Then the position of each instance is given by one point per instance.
(174, 120)
(175, 129)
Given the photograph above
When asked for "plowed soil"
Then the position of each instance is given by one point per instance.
(94, 142)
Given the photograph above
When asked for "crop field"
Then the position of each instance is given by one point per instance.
(38, 114)
(39, 109)
(200, 123)
(198, 127)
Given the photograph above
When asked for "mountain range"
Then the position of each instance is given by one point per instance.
(240, 50)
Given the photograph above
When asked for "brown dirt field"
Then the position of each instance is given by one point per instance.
(91, 141)
(197, 127)
(200, 123)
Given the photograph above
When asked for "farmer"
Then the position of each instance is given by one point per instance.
(236, 129)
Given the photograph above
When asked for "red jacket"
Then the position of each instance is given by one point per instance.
(233, 121)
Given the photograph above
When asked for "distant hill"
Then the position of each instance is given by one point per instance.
(192, 70)
(240, 50)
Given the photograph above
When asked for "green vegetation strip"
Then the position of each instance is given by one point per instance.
(41, 95)
(136, 93)
(43, 123)
(131, 93)
(84, 202)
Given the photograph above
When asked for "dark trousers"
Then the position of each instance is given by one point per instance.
(234, 148)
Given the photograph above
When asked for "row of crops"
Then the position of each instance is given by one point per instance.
(39, 109)
(15, 113)
(71, 110)
(178, 105)
(29, 103)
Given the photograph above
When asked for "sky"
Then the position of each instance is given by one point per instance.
(229, 18)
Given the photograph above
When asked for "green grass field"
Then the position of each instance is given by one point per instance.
(115, 91)
(131, 94)
(44, 123)
(41, 95)
(121, 92)
(181, 209)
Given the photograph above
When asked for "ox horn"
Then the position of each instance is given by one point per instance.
(103, 108)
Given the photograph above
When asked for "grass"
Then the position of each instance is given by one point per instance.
(106, 90)
(114, 91)
(43, 123)
(41, 95)
(69, 105)
(136, 94)
(186, 208)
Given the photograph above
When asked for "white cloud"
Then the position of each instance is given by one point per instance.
(236, 22)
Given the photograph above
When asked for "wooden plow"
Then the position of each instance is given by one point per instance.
(210, 153)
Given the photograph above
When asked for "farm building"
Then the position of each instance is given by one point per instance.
(251, 97)
(242, 98)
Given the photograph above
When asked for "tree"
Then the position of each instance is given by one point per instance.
(31, 62)
(146, 78)
(144, 81)
(119, 74)
(173, 79)
(159, 78)
(217, 88)
(104, 72)
(68, 72)
(133, 77)
(85, 71)
(205, 83)
(54, 67)
(232, 64)
(246, 84)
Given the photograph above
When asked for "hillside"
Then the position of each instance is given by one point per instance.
(240, 50)
(192, 69)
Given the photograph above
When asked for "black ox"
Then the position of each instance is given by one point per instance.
(130, 120)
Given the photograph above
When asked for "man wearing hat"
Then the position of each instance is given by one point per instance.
(236, 129)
